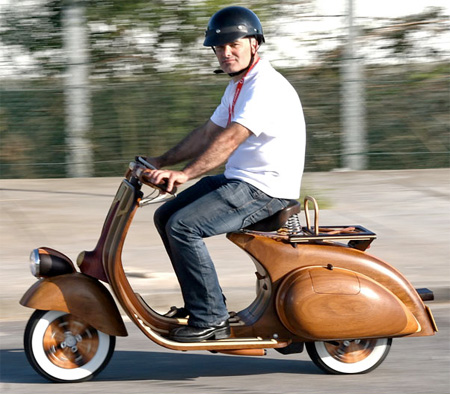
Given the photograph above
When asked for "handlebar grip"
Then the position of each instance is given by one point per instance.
(142, 160)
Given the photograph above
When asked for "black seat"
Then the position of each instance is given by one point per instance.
(277, 220)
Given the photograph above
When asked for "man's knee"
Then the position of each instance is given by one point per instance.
(180, 227)
(160, 218)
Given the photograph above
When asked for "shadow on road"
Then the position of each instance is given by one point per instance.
(132, 365)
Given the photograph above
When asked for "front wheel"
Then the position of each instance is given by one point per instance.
(349, 357)
(63, 348)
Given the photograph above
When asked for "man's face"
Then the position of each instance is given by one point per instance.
(236, 55)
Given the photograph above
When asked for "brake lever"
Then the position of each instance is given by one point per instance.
(159, 198)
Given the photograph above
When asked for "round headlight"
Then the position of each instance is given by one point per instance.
(46, 262)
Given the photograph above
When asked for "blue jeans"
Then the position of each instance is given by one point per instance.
(214, 205)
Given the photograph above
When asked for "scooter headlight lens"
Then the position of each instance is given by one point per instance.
(35, 263)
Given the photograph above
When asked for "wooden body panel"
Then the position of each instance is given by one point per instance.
(90, 262)
(318, 303)
(280, 258)
(80, 295)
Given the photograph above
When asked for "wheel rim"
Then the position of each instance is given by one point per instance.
(351, 351)
(69, 343)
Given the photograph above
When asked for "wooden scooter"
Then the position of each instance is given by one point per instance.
(312, 288)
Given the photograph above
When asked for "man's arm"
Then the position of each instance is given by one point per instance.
(189, 147)
(222, 145)
(220, 149)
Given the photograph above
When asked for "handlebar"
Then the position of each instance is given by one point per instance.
(148, 165)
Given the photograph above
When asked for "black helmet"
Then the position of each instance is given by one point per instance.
(231, 24)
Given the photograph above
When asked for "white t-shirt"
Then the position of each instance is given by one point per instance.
(272, 158)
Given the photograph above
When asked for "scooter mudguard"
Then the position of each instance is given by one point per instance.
(323, 303)
(79, 295)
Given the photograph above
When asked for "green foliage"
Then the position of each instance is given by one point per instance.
(408, 117)
(37, 28)
(319, 91)
(138, 110)
(407, 114)
(401, 34)
(126, 37)
(32, 131)
(147, 117)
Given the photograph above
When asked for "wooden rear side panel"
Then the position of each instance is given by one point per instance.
(281, 258)
(324, 304)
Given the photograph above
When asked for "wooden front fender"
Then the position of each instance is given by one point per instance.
(79, 295)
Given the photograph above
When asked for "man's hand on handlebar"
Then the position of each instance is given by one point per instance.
(170, 178)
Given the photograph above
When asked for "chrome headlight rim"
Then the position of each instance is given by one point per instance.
(35, 263)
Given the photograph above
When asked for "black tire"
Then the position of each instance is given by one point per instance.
(63, 348)
(349, 357)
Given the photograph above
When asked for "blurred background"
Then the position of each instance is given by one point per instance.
(87, 85)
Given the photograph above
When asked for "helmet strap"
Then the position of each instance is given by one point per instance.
(252, 58)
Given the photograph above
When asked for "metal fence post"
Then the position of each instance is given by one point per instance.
(76, 89)
(353, 140)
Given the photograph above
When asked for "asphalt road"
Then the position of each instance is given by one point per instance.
(409, 211)
(413, 366)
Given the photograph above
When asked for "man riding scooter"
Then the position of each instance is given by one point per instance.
(316, 286)
(258, 130)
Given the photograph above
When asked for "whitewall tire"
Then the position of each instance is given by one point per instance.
(349, 357)
(63, 348)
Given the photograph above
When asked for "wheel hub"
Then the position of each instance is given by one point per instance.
(350, 351)
(70, 340)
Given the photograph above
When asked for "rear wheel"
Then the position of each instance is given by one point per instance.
(63, 348)
(349, 357)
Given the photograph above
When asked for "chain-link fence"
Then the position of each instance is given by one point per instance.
(144, 93)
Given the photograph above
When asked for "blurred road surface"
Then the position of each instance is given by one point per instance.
(413, 366)
(409, 211)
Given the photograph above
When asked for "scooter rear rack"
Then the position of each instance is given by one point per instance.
(358, 237)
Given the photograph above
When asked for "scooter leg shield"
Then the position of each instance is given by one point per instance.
(319, 303)
(80, 295)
